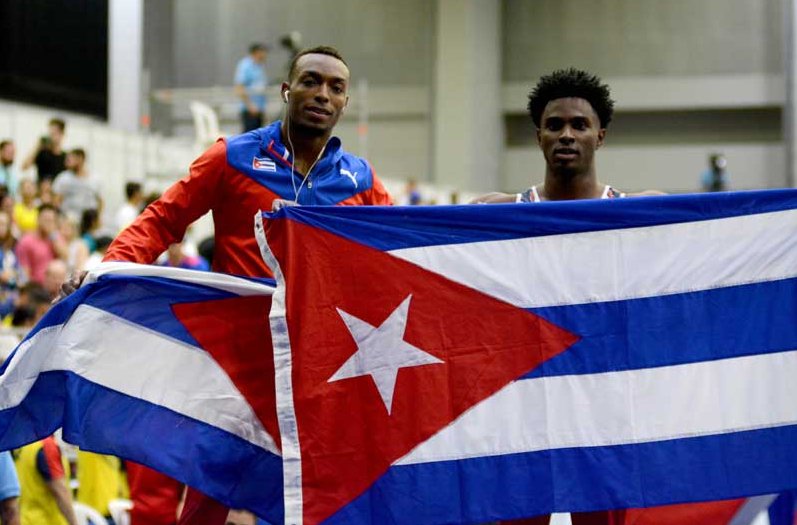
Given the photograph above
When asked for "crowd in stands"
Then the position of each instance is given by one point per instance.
(51, 226)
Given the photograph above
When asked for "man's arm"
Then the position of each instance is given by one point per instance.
(240, 92)
(240, 89)
(495, 197)
(165, 221)
(63, 499)
(48, 463)
(31, 158)
(9, 511)
(647, 193)
(9, 491)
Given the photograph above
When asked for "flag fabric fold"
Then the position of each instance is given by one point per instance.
(470, 363)
(166, 367)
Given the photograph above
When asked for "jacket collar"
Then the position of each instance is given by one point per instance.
(271, 143)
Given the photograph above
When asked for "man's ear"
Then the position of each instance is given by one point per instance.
(539, 138)
(346, 104)
(601, 136)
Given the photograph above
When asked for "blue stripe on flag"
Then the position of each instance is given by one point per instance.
(675, 329)
(391, 228)
(521, 485)
(102, 420)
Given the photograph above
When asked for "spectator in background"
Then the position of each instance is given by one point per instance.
(54, 275)
(8, 274)
(44, 476)
(177, 258)
(206, 248)
(8, 258)
(36, 249)
(26, 210)
(89, 224)
(250, 85)
(715, 178)
(76, 252)
(48, 156)
(99, 481)
(31, 303)
(8, 174)
(412, 195)
(73, 190)
(131, 208)
(156, 498)
(9, 491)
(102, 242)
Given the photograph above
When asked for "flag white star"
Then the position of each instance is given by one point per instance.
(382, 351)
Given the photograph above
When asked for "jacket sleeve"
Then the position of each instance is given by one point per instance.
(377, 195)
(165, 221)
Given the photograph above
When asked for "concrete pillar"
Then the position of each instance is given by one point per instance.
(467, 120)
(125, 55)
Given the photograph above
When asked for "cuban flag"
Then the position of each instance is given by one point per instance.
(170, 368)
(472, 363)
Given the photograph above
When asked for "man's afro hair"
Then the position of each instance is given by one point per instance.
(572, 82)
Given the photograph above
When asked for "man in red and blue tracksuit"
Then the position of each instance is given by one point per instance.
(296, 160)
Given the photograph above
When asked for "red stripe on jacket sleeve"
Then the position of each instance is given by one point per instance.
(164, 221)
(52, 456)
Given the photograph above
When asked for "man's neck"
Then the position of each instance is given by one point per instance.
(305, 147)
(7, 163)
(562, 187)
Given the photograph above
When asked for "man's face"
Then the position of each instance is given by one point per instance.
(259, 56)
(7, 153)
(569, 134)
(318, 92)
(73, 161)
(56, 135)
(47, 222)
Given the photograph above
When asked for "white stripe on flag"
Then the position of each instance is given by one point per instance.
(220, 281)
(621, 264)
(615, 408)
(141, 363)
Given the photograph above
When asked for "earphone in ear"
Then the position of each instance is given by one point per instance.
(285, 95)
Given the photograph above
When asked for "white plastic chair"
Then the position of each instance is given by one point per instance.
(206, 123)
(120, 511)
(87, 515)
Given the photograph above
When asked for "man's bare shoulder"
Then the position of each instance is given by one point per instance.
(495, 197)
(646, 193)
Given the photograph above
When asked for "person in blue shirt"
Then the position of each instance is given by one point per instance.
(250, 85)
(9, 491)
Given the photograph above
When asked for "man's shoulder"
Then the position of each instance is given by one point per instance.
(494, 198)
(646, 193)
(356, 168)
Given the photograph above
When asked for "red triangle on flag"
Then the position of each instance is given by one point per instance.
(347, 436)
(235, 332)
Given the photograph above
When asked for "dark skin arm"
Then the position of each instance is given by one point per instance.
(496, 197)
(9, 511)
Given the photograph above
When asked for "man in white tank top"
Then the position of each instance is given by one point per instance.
(571, 110)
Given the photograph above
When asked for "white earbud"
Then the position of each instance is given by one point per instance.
(285, 95)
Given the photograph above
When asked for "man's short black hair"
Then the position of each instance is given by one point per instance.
(257, 46)
(47, 206)
(5, 142)
(572, 82)
(131, 188)
(318, 50)
(58, 123)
